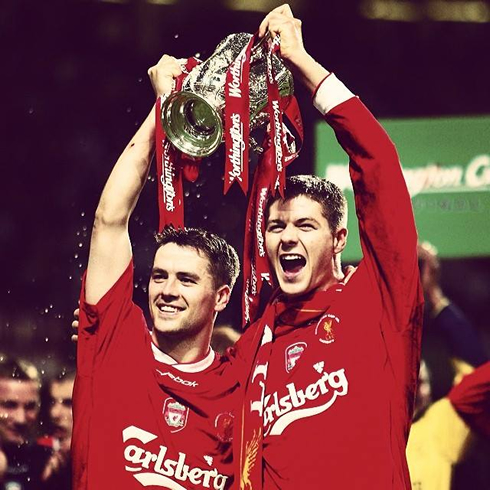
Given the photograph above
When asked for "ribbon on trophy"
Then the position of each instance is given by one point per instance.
(256, 269)
(237, 119)
(270, 175)
(172, 164)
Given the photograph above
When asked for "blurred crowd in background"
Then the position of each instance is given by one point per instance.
(75, 84)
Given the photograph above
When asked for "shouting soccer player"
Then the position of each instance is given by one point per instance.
(151, 409)
(330, 387)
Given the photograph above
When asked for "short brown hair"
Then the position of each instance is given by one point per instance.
(224, 265)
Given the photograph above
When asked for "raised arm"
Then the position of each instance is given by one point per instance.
(110, 247)
(383, 206)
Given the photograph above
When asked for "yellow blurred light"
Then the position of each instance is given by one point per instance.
(257, 5)
(437, 10)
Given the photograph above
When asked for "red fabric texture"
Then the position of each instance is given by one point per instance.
(471, 399)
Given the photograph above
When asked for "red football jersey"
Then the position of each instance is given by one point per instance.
(337, 393)
(140, 419)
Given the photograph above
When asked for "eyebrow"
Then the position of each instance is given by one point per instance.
(299, 221)
(191, 275)
(303, 220)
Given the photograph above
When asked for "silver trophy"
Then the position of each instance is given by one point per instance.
(193, 117)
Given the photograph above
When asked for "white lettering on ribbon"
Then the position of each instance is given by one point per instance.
(237, 148)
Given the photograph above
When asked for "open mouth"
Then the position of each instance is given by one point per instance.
(292, 263)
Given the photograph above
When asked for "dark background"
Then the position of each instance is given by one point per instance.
(74, 90)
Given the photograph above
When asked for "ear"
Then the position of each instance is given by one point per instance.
(223, 295)
(340, 240)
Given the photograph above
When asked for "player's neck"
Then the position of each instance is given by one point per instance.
(182, 350)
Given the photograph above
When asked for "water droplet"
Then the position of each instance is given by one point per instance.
(70, 277)
(80, 245)
(198, 195)
(205, 216)
(46, 339)
(176, 36)
(140, 79)
(128, 110)
(186, 194)
(82, 214)
(197, 55)
(31, 110)
(84, 228)
(46, 310)
(75, 256)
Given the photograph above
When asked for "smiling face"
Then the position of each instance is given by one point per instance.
(183, 298)
(19, 408)
(301, 246)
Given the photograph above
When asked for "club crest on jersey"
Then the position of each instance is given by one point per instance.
(224, 426)
(175, 414)
(293, 353)
(325, 328)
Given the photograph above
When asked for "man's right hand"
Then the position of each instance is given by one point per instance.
(162, 75)
(281, 21)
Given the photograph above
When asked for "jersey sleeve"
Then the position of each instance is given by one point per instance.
(104, 326)
(471, 399)
(383, 206)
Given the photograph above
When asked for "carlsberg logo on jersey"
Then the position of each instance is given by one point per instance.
(281, 409)
(155, 469)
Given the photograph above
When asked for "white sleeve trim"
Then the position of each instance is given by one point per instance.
(331, 93)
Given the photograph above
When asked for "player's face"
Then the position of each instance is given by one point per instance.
(19, 408)
(60, 410)
(182, 296)
(301, 246)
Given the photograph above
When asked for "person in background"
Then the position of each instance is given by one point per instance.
(445, 324)
(57, 473)
(20, 386)
(444, 428)
(442, 431)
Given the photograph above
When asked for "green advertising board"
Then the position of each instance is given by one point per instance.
(446, 163)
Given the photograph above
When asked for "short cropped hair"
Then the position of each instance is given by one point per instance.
(324, 192)
(18, 369)
(224, 265)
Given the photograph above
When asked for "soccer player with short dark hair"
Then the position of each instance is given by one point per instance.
(331, 367)
(152, 408)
